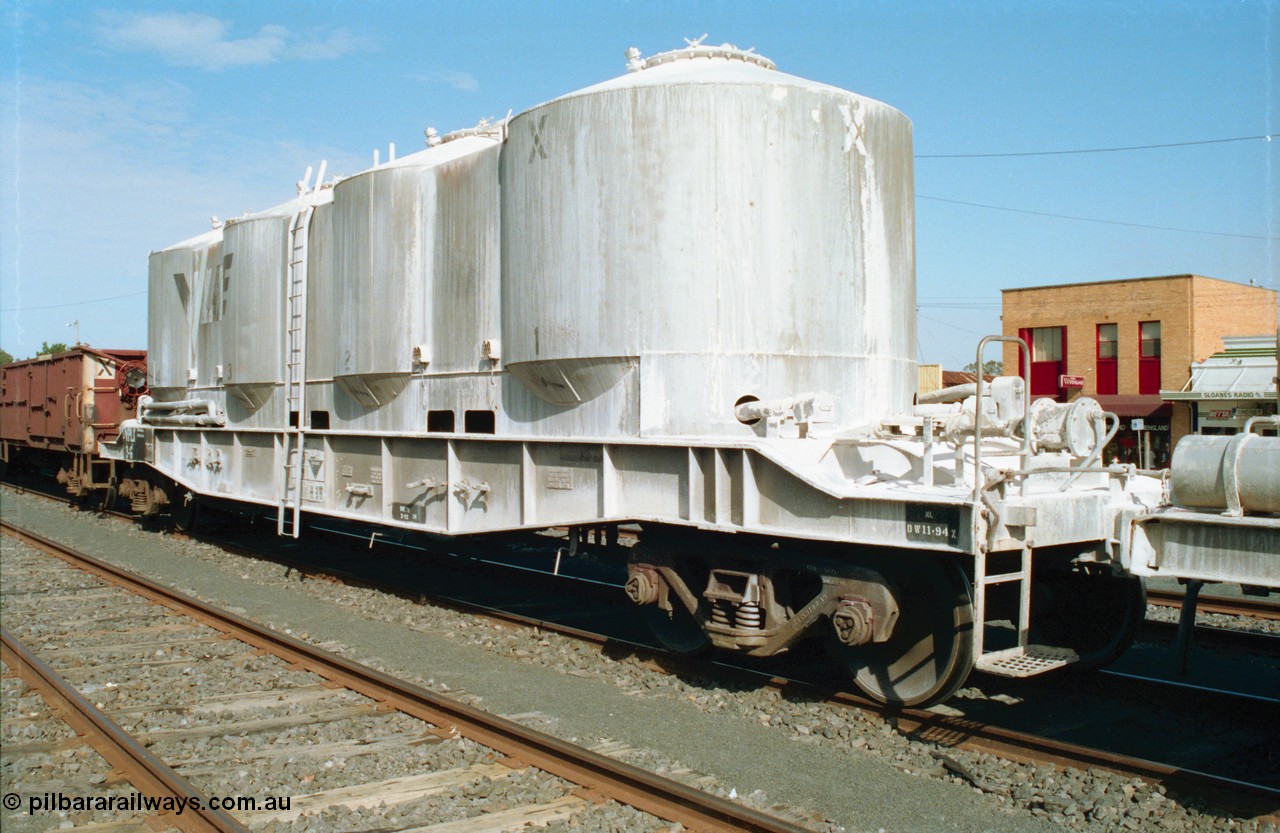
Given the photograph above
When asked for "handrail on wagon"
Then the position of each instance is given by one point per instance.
(1025, 452)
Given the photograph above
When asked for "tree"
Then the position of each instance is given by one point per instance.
(5, 358)
(991, 367)
(56, 347)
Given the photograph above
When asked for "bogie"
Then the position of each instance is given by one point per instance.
(898, 622)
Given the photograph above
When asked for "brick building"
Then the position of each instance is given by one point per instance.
(1124, 341)
(1229, 387)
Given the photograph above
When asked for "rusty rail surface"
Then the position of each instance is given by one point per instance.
(601, 776)
(1253, 606)
(147, 773)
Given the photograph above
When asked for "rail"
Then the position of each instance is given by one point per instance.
(598, 773)
(142, 769)
(1258, 608)
(923, 724)
(947, 731)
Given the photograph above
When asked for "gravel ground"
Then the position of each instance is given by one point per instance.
(1160, 613)
(754, 745)
(185, 694)
(43, 756)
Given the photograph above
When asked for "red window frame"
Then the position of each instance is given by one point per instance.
(1045, 373)
(1149, 350)
(1108, 377)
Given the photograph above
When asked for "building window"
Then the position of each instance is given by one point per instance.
(1108, 354)
(1149, 333)
(1046, 344)
(1048, 351)
(1149, 357)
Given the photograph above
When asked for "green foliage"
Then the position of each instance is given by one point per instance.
(56, 347)
(5, 357)
(991, 367)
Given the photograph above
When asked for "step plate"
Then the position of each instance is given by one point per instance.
(1025, 662)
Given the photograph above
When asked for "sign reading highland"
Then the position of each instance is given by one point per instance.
(1230, 387)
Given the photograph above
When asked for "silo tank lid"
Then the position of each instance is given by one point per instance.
(694, 51)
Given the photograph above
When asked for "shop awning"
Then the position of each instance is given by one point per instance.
(1135, 405)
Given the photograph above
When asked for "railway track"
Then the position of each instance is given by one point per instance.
(1248, 606)
(943, 731)
(926, 725)
(299, 684)
(929, 726)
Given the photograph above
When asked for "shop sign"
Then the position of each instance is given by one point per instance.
(1065, 381)
(1236, 394)
(1223, 414)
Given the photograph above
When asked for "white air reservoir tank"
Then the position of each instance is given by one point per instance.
(1238, 473)
(707, 228)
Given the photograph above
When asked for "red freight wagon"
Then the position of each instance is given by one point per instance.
(54, 409)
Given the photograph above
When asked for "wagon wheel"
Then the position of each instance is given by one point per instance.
(185, 511)
(1095, 615)
(109, 497)
(930, 652)
(677, 631)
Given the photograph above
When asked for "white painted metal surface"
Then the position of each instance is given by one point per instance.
(179, 281)
(415, 262)
(254, 254)
(1228, 473)
(708, 229)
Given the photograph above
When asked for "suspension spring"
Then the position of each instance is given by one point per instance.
(749, 616)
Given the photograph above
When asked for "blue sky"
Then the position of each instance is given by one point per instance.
(125, 126)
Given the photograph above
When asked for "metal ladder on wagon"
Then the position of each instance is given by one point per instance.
(1024, 659)
(297, 419)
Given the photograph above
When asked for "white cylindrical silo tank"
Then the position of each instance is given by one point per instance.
(737, 231)
(256, 251)
(177, 302)
(404, 231)
(324, 313)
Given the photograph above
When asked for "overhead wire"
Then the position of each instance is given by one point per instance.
(1266, 137)
(948, 324)
(73, 303)
(1094, 219)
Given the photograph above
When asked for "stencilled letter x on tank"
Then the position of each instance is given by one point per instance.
(538, 150)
